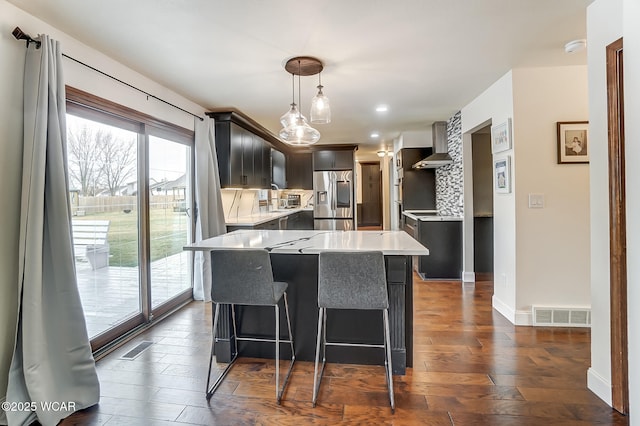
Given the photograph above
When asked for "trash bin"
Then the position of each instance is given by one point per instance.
(98, 255)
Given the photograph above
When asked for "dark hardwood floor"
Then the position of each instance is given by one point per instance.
(471, 367)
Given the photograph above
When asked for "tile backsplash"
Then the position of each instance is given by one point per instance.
(247, 202)
(449, 178)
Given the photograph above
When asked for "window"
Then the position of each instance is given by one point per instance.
(131, 187)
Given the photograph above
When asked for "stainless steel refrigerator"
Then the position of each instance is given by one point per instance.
(333, 207)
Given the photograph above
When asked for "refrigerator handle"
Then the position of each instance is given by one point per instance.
(334, 190)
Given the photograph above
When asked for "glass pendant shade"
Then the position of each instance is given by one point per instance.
(300, 133)
(289, 118)
(320, 108)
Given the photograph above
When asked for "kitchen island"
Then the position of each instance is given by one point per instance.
(294, 260)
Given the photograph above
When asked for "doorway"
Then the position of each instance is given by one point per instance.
(617, 229)
(371, 214)
(482, 204)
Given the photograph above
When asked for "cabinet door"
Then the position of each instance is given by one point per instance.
(265, 176)
(223, 149)
(247, 158)
(324, 160)
(236, 156)
(299, 171)
(333, 160)
(256, 178)
(279, 169)
(343, 160)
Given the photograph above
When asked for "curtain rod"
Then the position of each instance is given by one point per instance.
(20, 35)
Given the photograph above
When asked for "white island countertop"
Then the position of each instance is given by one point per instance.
(314, 242)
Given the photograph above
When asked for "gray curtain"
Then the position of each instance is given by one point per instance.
(210, 222)
(52, 360)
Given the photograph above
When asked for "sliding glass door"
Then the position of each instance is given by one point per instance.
(102, 162)
(131, 192)
(169, 218)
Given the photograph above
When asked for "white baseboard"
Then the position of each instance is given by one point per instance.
(599, 385)
(504, 309)
(524, 318)
(468, 277)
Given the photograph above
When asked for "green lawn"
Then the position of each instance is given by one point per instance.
(168, 234)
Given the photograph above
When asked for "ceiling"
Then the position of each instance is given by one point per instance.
(425, 59)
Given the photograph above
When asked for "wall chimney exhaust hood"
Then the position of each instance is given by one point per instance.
(440, 156)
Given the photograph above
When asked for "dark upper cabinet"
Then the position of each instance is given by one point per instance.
(333, 160)
(244, 151)
(418, 185)
(279, 169)
(299, 171)
(261, 176)
(244, 159)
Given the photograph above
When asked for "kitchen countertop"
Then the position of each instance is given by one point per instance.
(259, 218)
(313, 242)
(432, 216)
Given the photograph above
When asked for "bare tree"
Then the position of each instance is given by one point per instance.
(84, 159)
(117, 159)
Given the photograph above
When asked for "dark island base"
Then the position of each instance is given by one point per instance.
(301, 272)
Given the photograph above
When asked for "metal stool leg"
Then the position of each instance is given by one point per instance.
(280, 390)
(293, 353)
(277, 309)
(321, 340)
(211, 390)
(387, 363)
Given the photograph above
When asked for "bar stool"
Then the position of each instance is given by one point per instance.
(351, 280)
(244, 277)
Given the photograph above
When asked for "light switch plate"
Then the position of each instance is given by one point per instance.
(536, 201)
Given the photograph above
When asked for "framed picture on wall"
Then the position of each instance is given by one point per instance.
(501, 136)
(573, 142)
(502, 174)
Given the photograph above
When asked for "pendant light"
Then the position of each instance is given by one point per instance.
(320, 108)
(290, 117)
(295, 130)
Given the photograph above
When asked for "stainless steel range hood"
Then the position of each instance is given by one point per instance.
(440, 156)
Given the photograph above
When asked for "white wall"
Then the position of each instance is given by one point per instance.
(525, 239)
(12, 53)
(604, 25)
(494, 105)
(552, 243)
(632, 155)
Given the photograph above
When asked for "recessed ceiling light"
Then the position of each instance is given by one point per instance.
(375, 135)
(382, 108)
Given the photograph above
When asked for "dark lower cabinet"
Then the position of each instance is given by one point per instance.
(444, 241)
(302, 220)
(272, 224)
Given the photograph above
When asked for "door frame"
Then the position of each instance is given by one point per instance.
(617, 229)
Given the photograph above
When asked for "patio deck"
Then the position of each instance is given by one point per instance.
(112, 294)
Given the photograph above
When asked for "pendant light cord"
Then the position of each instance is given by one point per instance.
(299, 90)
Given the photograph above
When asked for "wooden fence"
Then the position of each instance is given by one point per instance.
(91, 205)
